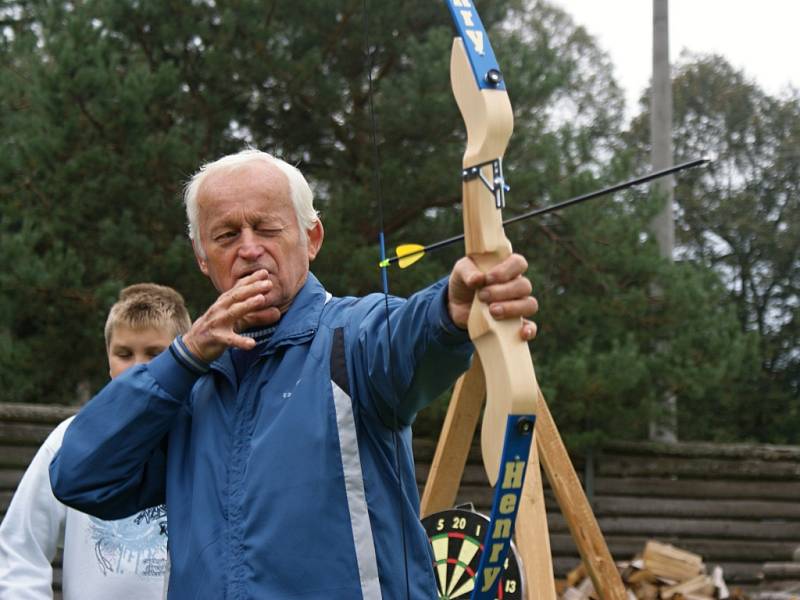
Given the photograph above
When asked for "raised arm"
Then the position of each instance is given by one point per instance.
(112, 462)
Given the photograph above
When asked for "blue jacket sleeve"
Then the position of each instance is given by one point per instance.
(112, 462)
(413, 356)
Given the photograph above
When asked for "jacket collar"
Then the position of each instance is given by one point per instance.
(301, 321)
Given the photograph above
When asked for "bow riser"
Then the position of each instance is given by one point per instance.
(511, 381)
(489, 121)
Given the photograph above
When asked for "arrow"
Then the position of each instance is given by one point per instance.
(407, 254)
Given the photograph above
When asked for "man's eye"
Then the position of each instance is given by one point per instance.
(155, 352)
(224, 236)
(268, 230)
(123, 354)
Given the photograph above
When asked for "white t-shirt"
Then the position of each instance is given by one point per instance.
(124, 559)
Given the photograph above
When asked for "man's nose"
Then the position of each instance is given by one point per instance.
(249, 248)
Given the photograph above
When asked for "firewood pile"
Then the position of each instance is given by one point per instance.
(660, 572)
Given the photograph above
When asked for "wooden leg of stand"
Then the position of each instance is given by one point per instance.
(452, 449)
(576, 508)
(532, 536)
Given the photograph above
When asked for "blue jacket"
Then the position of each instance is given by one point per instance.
(281, 484)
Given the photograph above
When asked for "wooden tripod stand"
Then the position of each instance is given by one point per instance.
(532, 537)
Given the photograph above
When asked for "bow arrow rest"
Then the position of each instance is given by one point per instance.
(497, 186)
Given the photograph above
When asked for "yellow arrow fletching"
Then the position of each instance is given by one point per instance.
(409, 254)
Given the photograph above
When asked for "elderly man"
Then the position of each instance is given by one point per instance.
(277, 427)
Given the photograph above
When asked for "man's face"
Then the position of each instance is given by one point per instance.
(131, 347)
(246, 222)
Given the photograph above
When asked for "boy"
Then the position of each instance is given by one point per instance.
(102, 559)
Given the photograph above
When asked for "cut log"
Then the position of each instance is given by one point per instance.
(782, 570)
(669, 562)
(645, 591)
(575, 576)
(702, 585)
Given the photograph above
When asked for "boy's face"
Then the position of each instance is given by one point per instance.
(131, 347)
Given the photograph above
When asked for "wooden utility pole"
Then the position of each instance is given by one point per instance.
(665, 427)
(661, 127)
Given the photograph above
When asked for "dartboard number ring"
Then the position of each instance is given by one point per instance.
(456, 538)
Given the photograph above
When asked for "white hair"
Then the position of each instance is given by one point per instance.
(299, 190)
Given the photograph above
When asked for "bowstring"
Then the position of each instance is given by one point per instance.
(376, 164)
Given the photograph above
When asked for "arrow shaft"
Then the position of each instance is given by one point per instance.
(566, 203)
(609, 190)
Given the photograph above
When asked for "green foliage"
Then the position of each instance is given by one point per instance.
(109, 105)
(739, 218)
(620, 326)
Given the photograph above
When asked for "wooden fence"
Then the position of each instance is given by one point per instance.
(736, 505)
(23, 428)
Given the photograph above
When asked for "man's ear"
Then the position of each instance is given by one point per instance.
(201, 261)
(315, 236)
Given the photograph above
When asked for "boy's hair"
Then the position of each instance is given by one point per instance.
(148, 305)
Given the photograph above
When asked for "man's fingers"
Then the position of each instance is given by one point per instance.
(523, 307)
(237, 311)
(468, 273)
(504, 288)
(242, 342)
(511, 267)
(500, 292)
(528, 330)
(217, 328)
(261, 274)
(246, 289)
(259, 318)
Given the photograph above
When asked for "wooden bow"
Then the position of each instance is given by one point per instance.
(511, 388)
(503, 369)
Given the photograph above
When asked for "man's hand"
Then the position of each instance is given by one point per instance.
(241, 307)
(504, 288)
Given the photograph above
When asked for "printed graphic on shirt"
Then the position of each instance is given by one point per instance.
(136, 544)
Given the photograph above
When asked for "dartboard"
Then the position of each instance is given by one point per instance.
(456, 537)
